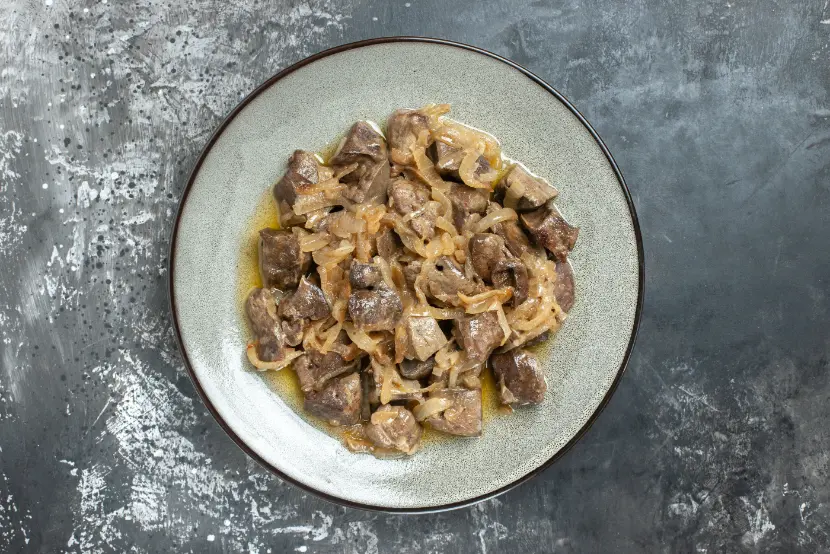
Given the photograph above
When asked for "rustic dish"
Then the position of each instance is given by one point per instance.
(302, 106)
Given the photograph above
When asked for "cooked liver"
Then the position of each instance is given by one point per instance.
(415, 369)
(515, 238)
(303, 171)
(520, 379)
(535, 190)
(364, 276)
(448, 161)
(479, 334)
(388, 244)
(375, 310)
(307, 302)
(293, 331)
(402, 130)
(549, 229)
(563, 289)
(486, 251)
(281, 262)
(407, 196)
(463, 418)
(510, 272)
(466, 202)
(339, 402)
(397, 431)
(446, 280)
(315, 369)
(363, 146)
(424, 337)
(261, 309)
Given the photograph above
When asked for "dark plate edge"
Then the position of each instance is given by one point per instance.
(637, 314)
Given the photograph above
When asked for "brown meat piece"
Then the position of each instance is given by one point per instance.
(411, 272)
(388, 244)
(424, 337)
(520, 379)
(446, 280)
(463, 418)
(467, 204)
(534, 190)
(486, 251)
(409, 196)
(364, 276)
(414, 369)
(395, 428)
(339, 402)
(375, 310)
(307, 302)
(564, 287)
(303, 171)
(315, 369)
(261, 309)
(402, 130)
(365, 147)
(281, 262)
(448, 161)
(515, 239)
(510, 272)
(293, 331)
(549, 229)
(479, 334)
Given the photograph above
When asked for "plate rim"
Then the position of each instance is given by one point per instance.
(220, 129)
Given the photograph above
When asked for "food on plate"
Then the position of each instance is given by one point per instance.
(408, 264)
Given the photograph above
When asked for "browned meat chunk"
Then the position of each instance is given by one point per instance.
(364, 276)
(339, 402)
(532, 191)
(281, 262)
(365, 147)
(414, 369)
(293, 331)
(466, 201)
(315, 369)
(375, 310)
(448, 161)
(307, 302)
(411, 272)
(402, 130)
(261, 308)
(388, 244)
(515, 239)
(510, 272)
(407, 197)
(563, 289)
(463, 417)
(446, 280)
(486, 251)
(395, 428)
(304, 170)
(479, 334)
(424, 337)
(549, 229)
(520, 379)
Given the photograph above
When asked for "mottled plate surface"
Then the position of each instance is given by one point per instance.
(307, 106)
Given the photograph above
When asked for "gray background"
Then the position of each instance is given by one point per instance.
(717, 439)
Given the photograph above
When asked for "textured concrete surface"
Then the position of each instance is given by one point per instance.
(716, 441)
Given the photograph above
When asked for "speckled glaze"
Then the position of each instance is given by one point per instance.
(306, 108)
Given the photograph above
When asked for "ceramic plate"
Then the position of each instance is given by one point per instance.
(306, 106)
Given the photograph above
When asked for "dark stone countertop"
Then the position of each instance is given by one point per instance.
(717, 439)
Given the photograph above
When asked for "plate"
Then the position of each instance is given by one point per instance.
(306, 106)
